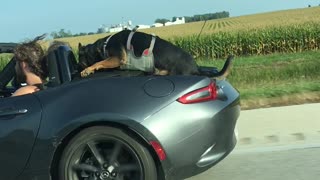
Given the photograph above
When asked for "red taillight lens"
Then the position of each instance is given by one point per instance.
(201, 95)
(159, 150)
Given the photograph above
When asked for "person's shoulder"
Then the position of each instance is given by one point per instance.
(25, 90)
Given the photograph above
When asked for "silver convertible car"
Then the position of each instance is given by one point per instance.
(114, 125)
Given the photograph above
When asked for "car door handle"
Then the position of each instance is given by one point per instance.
(12, 112)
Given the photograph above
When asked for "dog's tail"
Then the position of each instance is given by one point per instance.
(214, 73)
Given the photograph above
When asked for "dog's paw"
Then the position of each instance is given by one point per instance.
(86, 72)
(123, 62)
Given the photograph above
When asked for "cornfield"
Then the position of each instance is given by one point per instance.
(273, 39)
(259, 34)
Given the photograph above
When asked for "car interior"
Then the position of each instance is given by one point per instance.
(62, 68)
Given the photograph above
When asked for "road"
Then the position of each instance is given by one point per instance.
(274, 144)
(296, 164)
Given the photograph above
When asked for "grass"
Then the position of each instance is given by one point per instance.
(4, 59)
(274, 76)
(271, 69)
(280, 90)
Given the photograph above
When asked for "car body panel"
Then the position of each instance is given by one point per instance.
(17, 133)
(69, 106)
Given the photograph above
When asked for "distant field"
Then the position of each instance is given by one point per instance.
(282, 31)
(278, 18)
(286, 31)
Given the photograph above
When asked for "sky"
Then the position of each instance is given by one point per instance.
(25, 19)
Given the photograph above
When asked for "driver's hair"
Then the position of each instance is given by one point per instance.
(33, 55)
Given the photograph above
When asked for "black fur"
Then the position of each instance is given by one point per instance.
(167, 56)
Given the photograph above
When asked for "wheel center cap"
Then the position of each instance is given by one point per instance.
(104, 175)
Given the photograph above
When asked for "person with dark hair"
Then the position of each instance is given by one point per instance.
(30, 67)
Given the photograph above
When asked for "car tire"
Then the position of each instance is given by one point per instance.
(106, 153)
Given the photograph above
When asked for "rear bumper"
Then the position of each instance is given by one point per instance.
(216, 153)
(219, 143)
(215, 156)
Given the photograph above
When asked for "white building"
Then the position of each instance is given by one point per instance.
(143, 26)
(179, 20)
(157, 25)
(169, 23)
(115, 29)
(128, 25)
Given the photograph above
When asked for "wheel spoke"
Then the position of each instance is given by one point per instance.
(129, 168)
(115, 152)
(85, 167)
(96, 152)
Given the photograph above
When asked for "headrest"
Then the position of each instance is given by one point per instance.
(62, 66)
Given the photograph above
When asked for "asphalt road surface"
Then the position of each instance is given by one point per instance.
(259, 164)
(273, 144)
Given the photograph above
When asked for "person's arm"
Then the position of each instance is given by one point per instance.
(25, 90)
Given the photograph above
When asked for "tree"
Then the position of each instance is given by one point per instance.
(80, 34)
(101, 30)
(200, 17)
(61, 34)
(83, 34)
(174, 18)
(54, 35)
(162, 21)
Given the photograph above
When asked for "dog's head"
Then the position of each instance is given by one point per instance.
(89, 54)
(84, 55)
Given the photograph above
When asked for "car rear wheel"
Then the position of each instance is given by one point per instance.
(106, 153)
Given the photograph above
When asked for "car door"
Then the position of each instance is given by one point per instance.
(19, 123)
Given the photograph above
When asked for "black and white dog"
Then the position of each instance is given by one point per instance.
(129, 49)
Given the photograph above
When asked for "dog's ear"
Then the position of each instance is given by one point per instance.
(79, 46)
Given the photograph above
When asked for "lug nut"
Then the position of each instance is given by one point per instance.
(114, 174)
(105, 165)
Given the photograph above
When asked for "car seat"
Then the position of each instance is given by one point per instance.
(62, 66)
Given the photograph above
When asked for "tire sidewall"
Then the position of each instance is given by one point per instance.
(79, 140)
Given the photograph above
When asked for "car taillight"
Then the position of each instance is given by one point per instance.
(208, 93)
